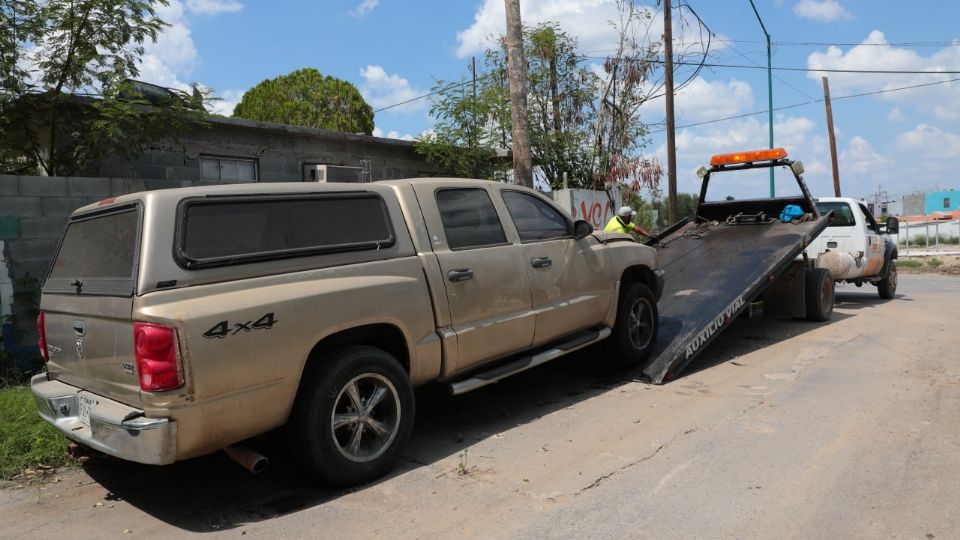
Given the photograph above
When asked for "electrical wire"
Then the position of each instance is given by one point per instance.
(811, 102)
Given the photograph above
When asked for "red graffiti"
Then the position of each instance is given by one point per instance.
(598, 213)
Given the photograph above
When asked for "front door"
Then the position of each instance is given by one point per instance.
(485, 276)
(570, 279)
(873, 251)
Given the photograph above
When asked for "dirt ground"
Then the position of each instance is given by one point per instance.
(780, 429)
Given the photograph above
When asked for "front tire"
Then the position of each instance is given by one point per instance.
(353, 415)
(887, 287)
(819, 294)
(635, 332)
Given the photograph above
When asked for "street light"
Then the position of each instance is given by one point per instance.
(769, 90)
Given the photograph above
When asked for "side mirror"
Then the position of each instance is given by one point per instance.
(893, 225)
(582, 229)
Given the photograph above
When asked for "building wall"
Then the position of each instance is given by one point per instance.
(913, 204)
(280, 152)
(941, 201)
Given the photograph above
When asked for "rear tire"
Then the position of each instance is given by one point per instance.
(887, 287)
(353, 415)
(635, 332)
(819, 294)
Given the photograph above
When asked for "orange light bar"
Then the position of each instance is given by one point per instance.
(749, 156)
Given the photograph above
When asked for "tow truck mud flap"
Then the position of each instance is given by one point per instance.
(711, 275)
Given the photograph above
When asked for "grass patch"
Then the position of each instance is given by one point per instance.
(26, 440)
(934, 262)
(908, 263)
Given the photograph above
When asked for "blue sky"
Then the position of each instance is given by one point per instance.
(394, 50)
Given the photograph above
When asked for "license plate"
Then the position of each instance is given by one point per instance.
(86, 403)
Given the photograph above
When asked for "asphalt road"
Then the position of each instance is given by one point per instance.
(781, 429)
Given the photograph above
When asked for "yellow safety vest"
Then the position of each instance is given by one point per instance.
(615, 225)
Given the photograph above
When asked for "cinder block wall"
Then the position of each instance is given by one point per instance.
(33, 214)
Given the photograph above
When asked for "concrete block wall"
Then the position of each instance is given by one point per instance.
(33, 214)
(280, 153)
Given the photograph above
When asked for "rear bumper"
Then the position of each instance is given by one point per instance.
(116, 429)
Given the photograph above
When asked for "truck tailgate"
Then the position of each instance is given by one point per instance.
(712, 272)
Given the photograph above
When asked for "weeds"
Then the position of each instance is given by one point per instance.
(908, 263)
(463, 468)
(934, 263)
(27, 442)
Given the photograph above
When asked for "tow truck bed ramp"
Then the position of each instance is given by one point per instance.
(714, 271)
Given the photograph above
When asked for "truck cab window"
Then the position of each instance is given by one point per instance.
(535, 219)
(469, 218)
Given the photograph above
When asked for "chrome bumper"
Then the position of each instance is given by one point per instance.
(114, 428)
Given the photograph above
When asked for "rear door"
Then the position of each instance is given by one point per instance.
(87, 303)
(570, 282)
(485, 275)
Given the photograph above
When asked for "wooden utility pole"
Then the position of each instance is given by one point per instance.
(668, 96)
(517, 71)
(833, 138)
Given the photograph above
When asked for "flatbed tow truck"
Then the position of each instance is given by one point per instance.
(731, 254)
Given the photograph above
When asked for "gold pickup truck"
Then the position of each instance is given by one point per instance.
(180, 322)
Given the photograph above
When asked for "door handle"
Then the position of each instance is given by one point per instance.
(462, 274)
(541, 262)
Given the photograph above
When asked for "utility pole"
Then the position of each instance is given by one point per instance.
(517, 71)
(833, 138)
(671, 128)
(769, 91)
(473, 108)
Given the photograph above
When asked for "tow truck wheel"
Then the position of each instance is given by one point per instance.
(635, 331)
(353, 415)
(887, 287)
(819, 294)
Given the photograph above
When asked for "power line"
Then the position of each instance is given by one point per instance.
(811, 102)
(433, 93)
(801, 92)
(827, 44)
(814, 70)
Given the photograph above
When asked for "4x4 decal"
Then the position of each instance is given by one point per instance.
(223, 328)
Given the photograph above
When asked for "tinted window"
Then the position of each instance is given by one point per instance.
(469, 218)
(99, 253)
(218, 232)
(842, 215)
(535, 219)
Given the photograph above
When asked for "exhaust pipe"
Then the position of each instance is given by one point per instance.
(247, 458)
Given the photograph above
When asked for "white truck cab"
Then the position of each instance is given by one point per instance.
(854, 247)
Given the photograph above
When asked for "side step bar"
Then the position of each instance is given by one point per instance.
(578, 341)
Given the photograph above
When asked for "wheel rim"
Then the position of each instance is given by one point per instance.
(366, 417)
(641, 324)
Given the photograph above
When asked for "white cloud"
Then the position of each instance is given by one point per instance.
(875, 53)
(584, 19)
(860, 158)
(364, 7)
(213, 7)
(895, 115)
(227, 102)
(821, 10)
(393, 134)
(930, 141)
(382, 89)
(702, 100)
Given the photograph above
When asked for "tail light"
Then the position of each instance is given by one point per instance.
(158, 357)
(42, 337)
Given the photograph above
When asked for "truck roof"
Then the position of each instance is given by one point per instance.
(263, 188)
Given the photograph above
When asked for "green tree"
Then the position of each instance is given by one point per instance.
(67, 99)
(307, 98)
(584, 125)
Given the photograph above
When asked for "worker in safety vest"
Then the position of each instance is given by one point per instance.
(622, 222)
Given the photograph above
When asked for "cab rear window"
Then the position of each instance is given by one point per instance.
(235, 230)
(97, 255)
(842, 215)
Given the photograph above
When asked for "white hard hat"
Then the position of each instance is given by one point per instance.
(626, 211)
